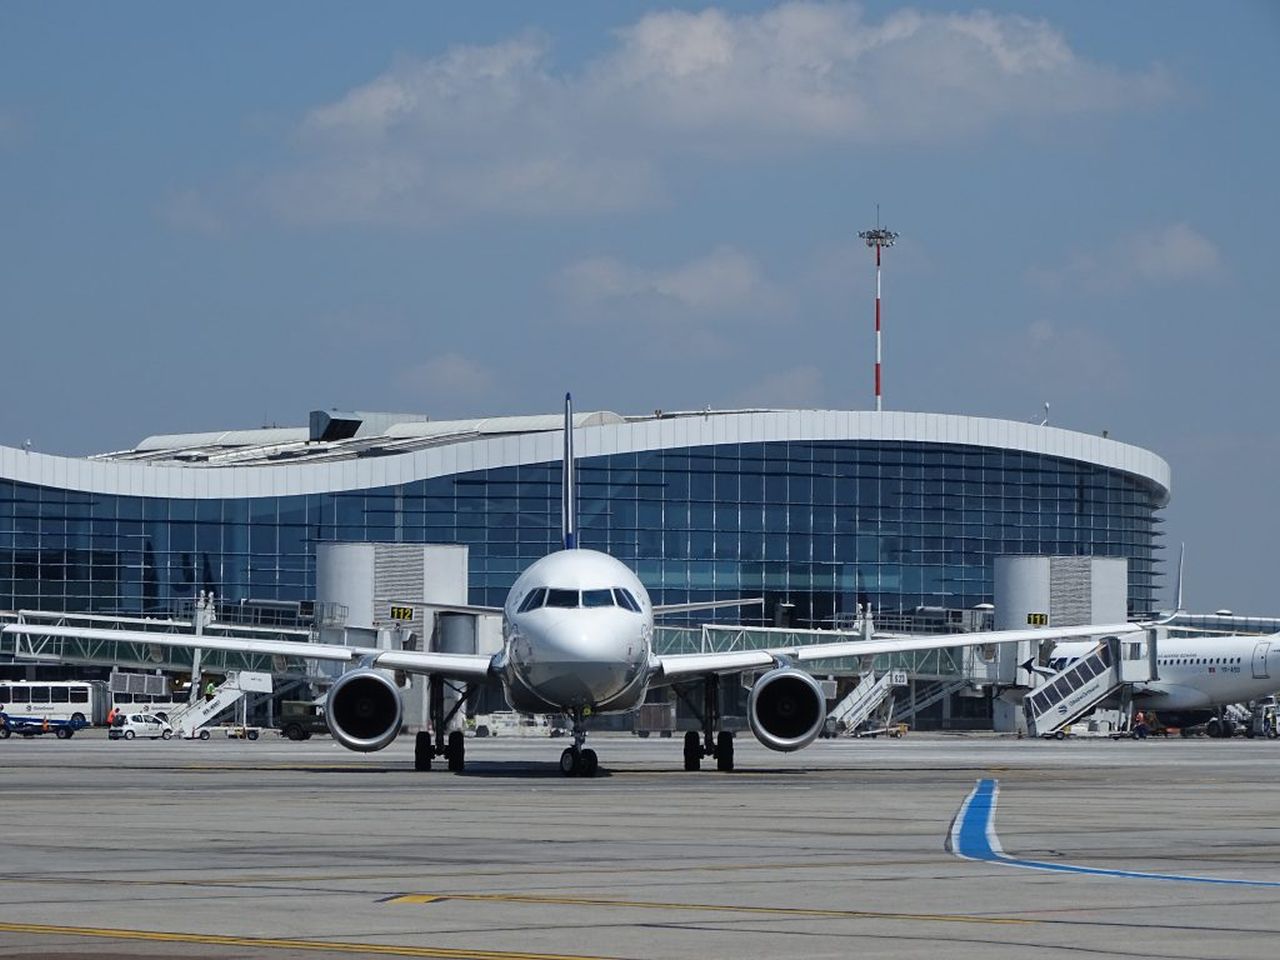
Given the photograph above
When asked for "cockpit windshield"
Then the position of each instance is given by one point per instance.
(569, 599)
(626, 600)
(597, 598)
(533, 599)
(562, 598)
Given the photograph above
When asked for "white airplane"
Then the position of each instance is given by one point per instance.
(578, 640)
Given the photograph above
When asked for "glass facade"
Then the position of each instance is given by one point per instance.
(822, 525)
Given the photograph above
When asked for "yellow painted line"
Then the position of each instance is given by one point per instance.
(284, 943)
(629, 870)
(706, 907)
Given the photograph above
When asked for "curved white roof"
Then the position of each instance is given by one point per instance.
(543, 444)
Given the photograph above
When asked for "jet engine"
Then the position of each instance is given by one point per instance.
(787, 709)
(363, 710)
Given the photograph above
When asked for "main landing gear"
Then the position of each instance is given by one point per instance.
(576, 761)
(709, 743)
(446, 743)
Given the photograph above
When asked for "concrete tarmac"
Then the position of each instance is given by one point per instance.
(278, 849)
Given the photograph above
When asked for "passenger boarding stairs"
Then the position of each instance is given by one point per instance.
(1073, 691)
(189, 719)
(864, 699)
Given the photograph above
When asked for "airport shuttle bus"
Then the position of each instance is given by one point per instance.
(83, 701)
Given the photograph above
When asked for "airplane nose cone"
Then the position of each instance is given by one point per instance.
(580, 657)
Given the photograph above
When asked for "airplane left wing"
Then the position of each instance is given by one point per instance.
(682, 665)
(458, 666)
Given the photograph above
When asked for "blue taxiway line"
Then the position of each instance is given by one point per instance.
(973, 837)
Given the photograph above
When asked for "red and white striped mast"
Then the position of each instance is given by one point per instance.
(879, 237)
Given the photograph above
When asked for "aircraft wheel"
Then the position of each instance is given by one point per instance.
(569, 762)
(724, 751)
(588, 763)
(1248, 733)
(422, 751)
(692, 751)
(63, 733)
(129, 734)
(456, 752)
(1213, 728)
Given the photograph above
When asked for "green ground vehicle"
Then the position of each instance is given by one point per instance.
(299, 719)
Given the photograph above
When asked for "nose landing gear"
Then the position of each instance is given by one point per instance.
(576, 761)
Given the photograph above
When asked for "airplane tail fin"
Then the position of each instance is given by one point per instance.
(569, 487)
(1182, 556)
(1177, 602)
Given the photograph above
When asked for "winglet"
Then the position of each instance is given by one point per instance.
(568, 488)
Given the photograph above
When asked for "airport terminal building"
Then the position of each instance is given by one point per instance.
(817, 511)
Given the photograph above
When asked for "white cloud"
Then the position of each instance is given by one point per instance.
(798, 388)
(1060, 359)
(498, 128)
(1177, 253)
(726, 281)
(446, 377)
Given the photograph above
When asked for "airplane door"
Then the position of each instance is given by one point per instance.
(1260, 661)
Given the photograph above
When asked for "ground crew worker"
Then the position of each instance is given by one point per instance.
(209, 688)
(1140, 725)
(111, 716)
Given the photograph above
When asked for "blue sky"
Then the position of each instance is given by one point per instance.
(228, 215)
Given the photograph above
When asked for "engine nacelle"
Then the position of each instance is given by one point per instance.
(363, 710)
(787, 709)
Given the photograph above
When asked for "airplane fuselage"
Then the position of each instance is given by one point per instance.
(577, 634)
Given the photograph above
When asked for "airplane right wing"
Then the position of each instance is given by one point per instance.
(458, 666)
(662, 609)
(682, 665)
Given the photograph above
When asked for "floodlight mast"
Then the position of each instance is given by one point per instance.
(879, 237)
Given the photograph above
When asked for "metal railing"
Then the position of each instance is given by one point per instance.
(945, 663)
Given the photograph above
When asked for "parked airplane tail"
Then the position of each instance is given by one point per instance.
(568, 488)
(1182, 556)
